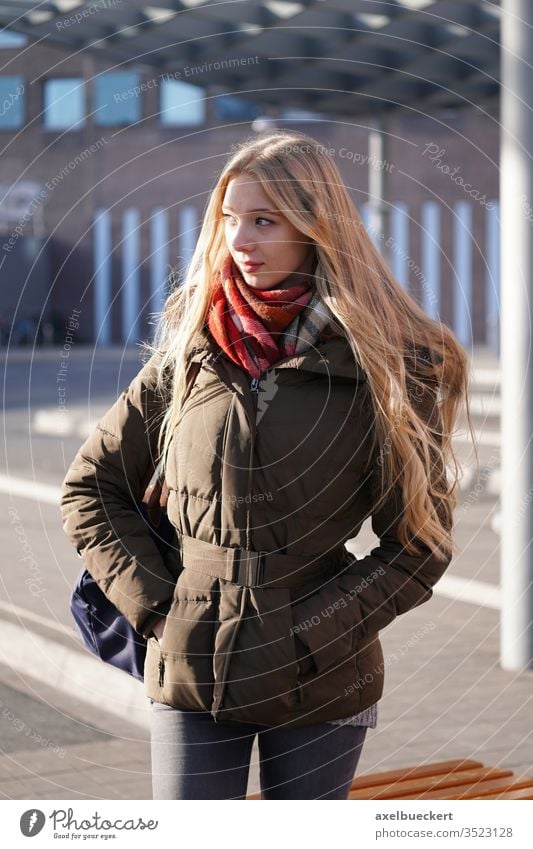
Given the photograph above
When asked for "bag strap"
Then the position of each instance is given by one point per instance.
(156, 492)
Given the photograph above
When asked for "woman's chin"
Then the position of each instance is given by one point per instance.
(258, 279)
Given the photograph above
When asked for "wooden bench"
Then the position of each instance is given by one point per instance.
(460, 779)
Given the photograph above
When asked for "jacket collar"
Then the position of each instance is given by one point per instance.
(332, 357)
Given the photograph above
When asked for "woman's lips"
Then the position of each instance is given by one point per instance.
(251, 266)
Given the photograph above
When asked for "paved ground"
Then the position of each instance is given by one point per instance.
(445, 695)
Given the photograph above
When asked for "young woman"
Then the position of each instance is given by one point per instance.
(294, 389)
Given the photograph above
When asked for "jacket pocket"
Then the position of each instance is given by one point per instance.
(172, 679)
(370, 670)
(328, 635)
(327, 663)
(181, 662)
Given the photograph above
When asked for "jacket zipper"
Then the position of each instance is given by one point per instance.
(161, 672)
(255, 381)
(254, 388)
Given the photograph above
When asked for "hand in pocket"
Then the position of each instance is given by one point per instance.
(304, 657)
(158, 628)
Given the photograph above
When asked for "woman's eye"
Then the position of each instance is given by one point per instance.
(230, 220)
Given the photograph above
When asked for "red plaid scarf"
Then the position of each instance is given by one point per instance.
(255, 328)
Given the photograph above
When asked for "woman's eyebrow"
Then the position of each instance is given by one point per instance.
(260, 209)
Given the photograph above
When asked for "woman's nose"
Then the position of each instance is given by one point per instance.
(242, 237)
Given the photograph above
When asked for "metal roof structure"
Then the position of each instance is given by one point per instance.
(343, 57)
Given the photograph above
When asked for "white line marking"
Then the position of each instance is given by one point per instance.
(30, 489)
(473, 592)
(74, 673)
(29, 615)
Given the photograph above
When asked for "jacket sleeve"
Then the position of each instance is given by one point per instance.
(371, 592)
(103, 485)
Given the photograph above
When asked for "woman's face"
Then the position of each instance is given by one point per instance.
(258, 234)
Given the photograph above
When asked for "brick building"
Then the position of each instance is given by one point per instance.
(106, 170)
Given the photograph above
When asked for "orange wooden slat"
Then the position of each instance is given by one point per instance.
(375, 779)
(447, 780)
(411, 789)
(515, 784)
(476, 788)
(524, 793)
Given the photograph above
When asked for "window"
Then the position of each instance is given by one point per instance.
(117, 98)
(229, 107)
(301, 115)
(11, 103)
(12, 39)
(181, 104)
(64, 103)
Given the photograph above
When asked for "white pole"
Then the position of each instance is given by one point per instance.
(367, 217)
(492, 277)
(399, 237)
(159, 271)
(378, 210)
(516, 183)
(430, 252)
(131, 282)
(102, 277)
(188, 222)
(462, 300)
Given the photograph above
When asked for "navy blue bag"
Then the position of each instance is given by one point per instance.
(102, 628)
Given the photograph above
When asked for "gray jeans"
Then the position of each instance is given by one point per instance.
(194, 757)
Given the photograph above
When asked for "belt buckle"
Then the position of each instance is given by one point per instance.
(251, 567)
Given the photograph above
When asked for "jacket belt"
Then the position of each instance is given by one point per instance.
(255, 568)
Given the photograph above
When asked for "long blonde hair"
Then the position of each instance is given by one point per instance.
(416, 400)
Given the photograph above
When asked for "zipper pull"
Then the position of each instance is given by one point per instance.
(161, 672)
(254, 385)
